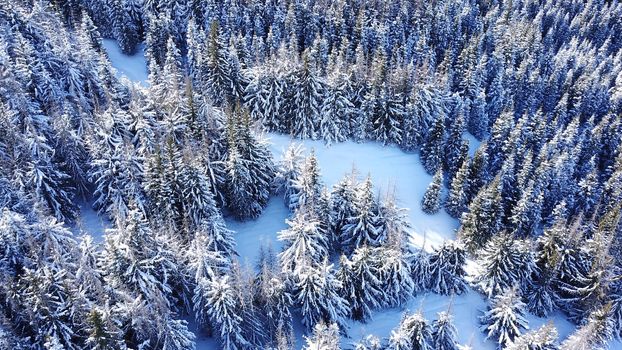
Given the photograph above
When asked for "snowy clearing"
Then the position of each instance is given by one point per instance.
(133, 67)
(394, 170)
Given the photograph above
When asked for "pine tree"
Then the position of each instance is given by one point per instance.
(209, 258)
(306, 102)
(197, 199)
(386, 114)
(317, 294)
(117, 177)
(288, 170)
(413, 332)
(478, 117)
(444, 332)
(304, 244)
(216, 72)
(103, 333)
(543, 338)
(273, 298)
(424, 106)
(50, 187)
(431, 202)
(456, 202)
(394, 268)
(394, 224)
(453, 144)
(46, 296)
(325, 337)
(336, 111)
(526, 215)
(573, 284)
(362, 228)
(342, 199)
(124, 28)
(432, 148)
(541, 296)
(595, 334)
(447, 269)
(420, 267)
(242, 279)
(361, 284)
(478, 171)
(483, 219)
(504, 262)
(136, 258)
(249, 170)
(505, 319)
(265, 98)
(174, 334)
(218, 301)
(307, 187)
(88, 274)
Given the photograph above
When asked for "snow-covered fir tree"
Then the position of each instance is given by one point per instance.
(447, 269)
(335, 113)
(305, 242)
(394, 268)
(289, 169)
(420, 269)
(218, 301)
(505, 318)
(503, 263)
(361, 283)
(306, 103)
(307, 186)
(413, 332)
(594, 334)
(543, 338)
(431, 202)
(444, 332)
(362, 227)
(325, 337)
(318, 295)
(342, 200)
(249, 169)
(456, 202)
(431, 149)
(482, 221)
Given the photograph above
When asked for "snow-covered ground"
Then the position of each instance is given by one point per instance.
(391, 170)
(89, 222)
(133, 67)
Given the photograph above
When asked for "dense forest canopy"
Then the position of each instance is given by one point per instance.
(538, 82)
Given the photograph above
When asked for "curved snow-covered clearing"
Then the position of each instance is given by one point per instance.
(390, 168)
(133, 67)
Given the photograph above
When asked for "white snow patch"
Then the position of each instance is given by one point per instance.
(133, 67)
(251, 235)
(88, 221)
(473, 142)
(391, 169)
